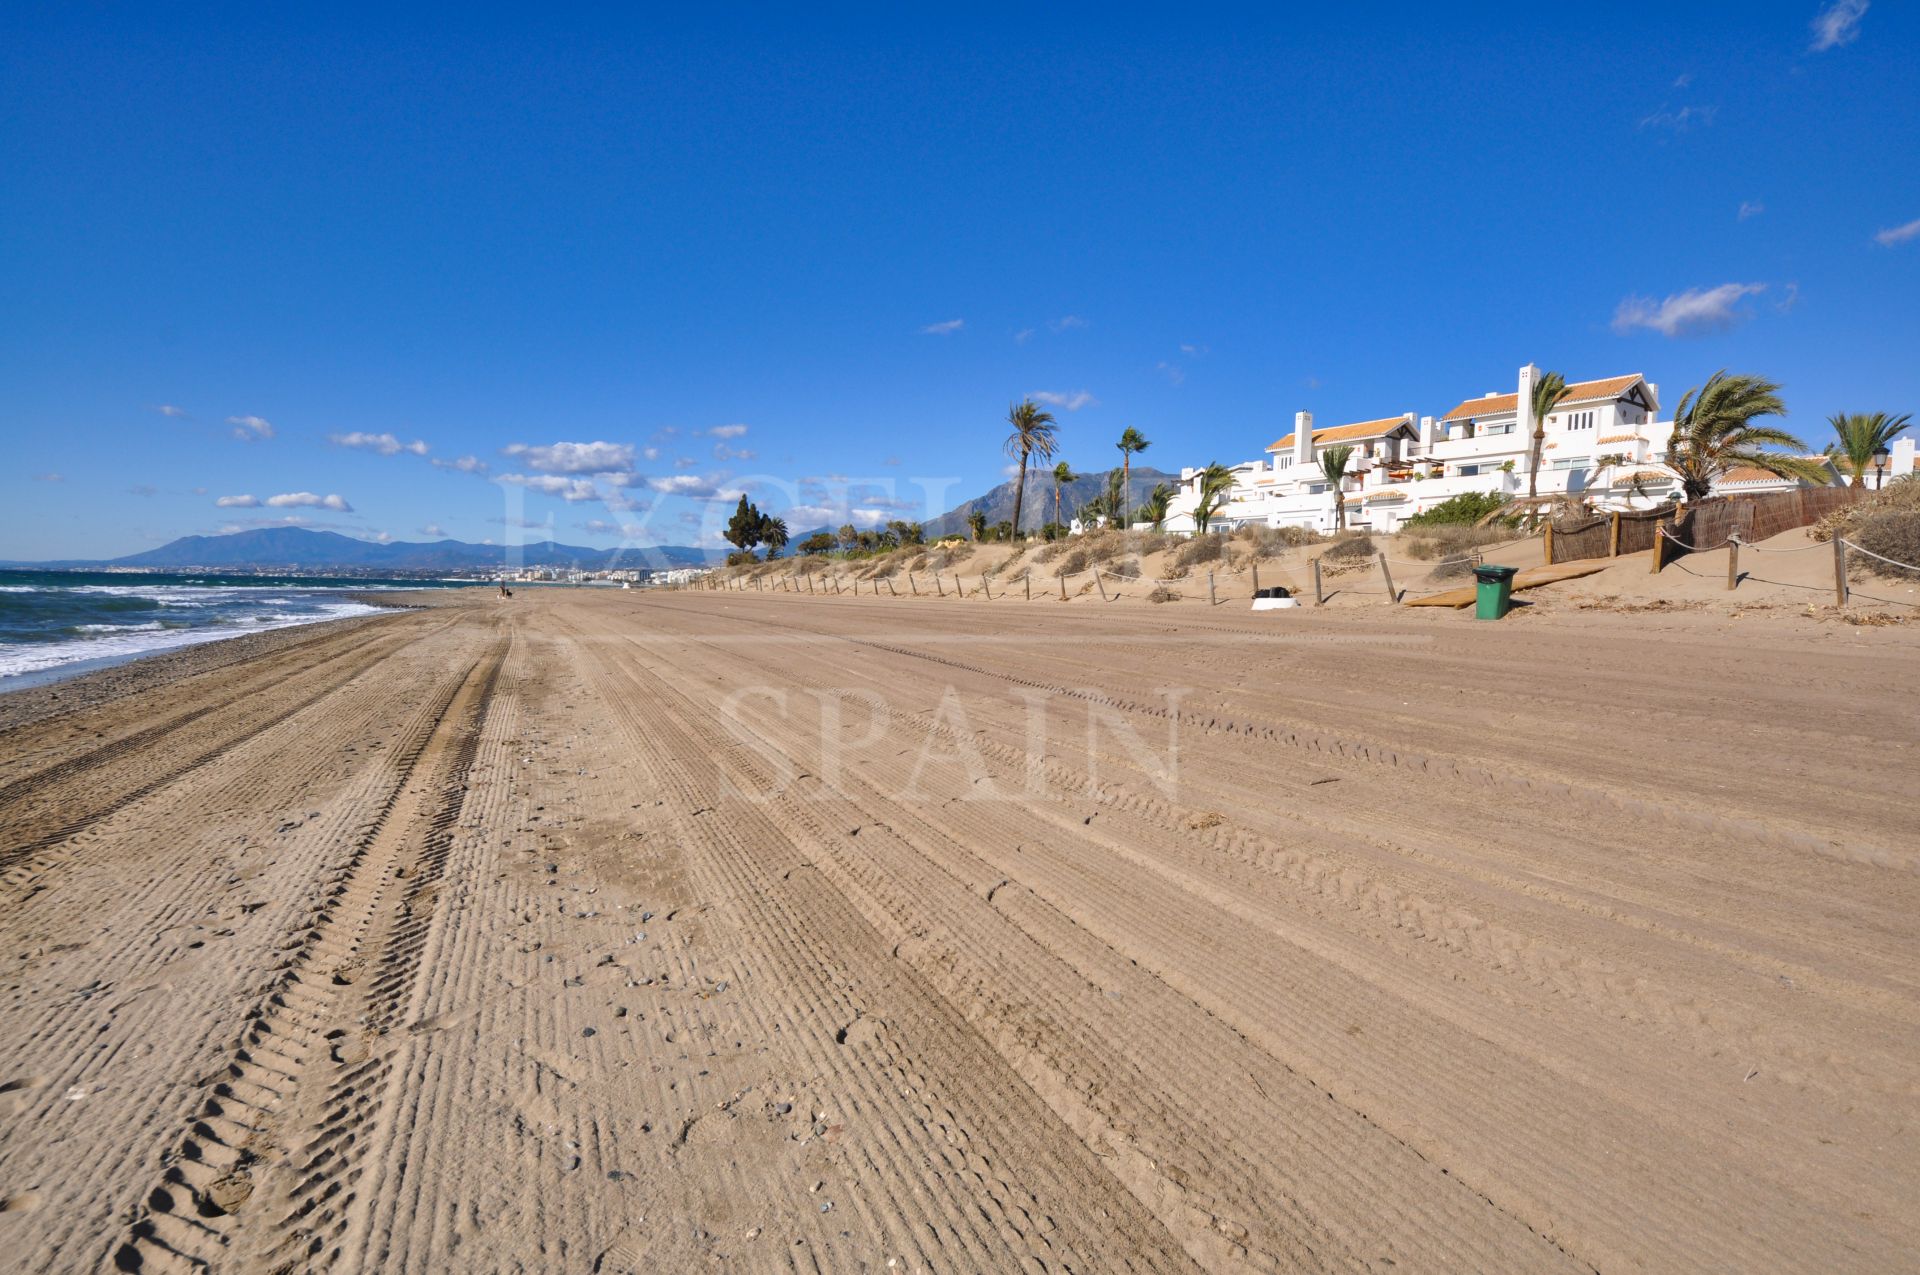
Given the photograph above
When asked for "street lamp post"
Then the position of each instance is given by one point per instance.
(1880, 458)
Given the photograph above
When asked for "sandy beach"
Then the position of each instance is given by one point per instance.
(645, 931)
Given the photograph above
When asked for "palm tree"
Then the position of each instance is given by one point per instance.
(1116, 499)
(1155, 507)
(773, 534)
(1333, 463)
(1861, 435)
(1131, 441)
(1032, 436)
(1062, 475)
(1214, 483)
(1547, 393)
(977, 524)
(1713, 432)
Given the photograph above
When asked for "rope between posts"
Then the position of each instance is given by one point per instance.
(1751, 548)
(1662, 531)
(1892, 562)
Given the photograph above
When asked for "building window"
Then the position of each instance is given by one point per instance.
(1285, 462)
(1571, 462)
(1580, 420)
(1316, 489)
(1489, 431)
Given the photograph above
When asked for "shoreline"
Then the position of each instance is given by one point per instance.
(48, 692)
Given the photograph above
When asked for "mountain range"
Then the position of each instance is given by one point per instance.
(299, 549)
(997, 504)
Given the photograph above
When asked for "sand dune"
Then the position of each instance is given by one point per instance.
(634, 931)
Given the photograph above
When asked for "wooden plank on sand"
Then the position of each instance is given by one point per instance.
(1531, 578)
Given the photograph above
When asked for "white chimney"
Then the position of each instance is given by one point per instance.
(1529, 377)
(1427, 435)
(1303, 438)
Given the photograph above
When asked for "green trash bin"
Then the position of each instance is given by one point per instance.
(1493, 595)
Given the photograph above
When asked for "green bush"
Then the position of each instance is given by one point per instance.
(1468, 508)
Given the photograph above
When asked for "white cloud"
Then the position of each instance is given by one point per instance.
(1680, 119)
(1172, 371)
(1898, 234)
(685, 485)
(385, 444)
(572, 490)
(1189, 347)
(1751, 208)
(727, 431)
(1683, 79)
(1685, 313)
(169, 410)
(1067, 322)
(649, 453)
(435, 530)
(524, 524)
(1072, 402)
(722, 452)
(48, 478)
(238, 502)
(946, 328)
(1838, 24)
(464, 465)
(573, 458)
(381, 537)
(308, 500)
(1020, 337)
(250, 428)
(143, 489)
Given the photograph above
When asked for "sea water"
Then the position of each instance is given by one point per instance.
(56, 622)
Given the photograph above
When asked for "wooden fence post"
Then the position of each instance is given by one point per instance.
(984, 589)
(1063, 585)
(891, 591)
(1659, 546)
(1613, 536)
(1028, 580)
(1318, 598)
(1256, 579)
(1839, 570)
(912, 585)
(1733, 561)
(1392, 597)
(1097, 583)
(1211, 600)
(937, 585)
(1549, 547)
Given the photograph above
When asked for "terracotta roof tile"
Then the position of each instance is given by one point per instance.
(1341, 433)
(1604, 390)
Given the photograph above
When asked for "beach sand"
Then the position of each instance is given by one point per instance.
(637, 931)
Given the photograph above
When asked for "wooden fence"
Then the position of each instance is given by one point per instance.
(1606, 535)
(1708, 524)
(1705, 523)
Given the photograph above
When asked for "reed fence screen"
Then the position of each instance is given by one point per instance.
(1706, 524)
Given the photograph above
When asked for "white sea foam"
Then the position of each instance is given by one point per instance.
(133, 641)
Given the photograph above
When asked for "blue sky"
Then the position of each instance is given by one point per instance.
(393, 273)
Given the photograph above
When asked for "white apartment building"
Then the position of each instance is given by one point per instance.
(1604, 440)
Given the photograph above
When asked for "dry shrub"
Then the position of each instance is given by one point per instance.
(1104, 546)
(1891, 533)
(1147, 543)
(1348, 545)
(1074, 563)
(1050, 550)
(1161, 593)
(1450, 540)
(1271, 542)
(1902, 494)
(1207, 548)
(919, 562)
(1127, 569)
(1451, 569)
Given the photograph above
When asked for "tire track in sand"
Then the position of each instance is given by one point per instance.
(351, 967)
